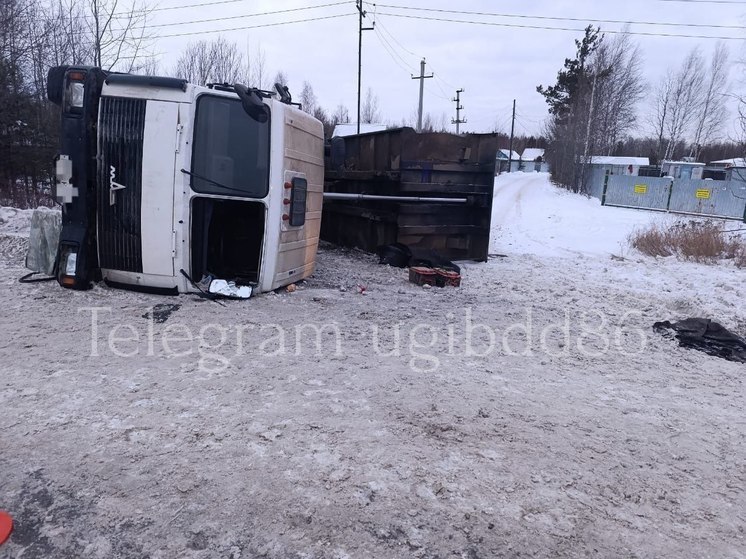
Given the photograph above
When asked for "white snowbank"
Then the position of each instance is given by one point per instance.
(532, 216)
(15, 222)
(576, 236)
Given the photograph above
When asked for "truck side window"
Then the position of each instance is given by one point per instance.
(298, 202)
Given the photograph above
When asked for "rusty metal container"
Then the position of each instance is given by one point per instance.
(458, 171)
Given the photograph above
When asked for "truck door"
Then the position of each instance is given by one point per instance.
(137, 147)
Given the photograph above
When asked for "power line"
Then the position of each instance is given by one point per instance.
(391, 54)
(704, 1)
(437, 83)
(253, 26)
(575, 30)
(235, 1)
(395, 57)
(259, 14)
(556, 18)
(382, 26)
(146, 12)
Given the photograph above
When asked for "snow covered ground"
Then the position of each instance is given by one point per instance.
(532, 412)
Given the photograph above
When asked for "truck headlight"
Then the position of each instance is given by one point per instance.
(76, 95)
(74, 91)
(67, 265)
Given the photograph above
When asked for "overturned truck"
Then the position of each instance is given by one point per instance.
(429, 191)
(171, 187)
(166, 185)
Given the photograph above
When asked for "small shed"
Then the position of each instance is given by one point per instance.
(602, 165)
(727, 169)
(505, 157)
(613, 165)
(532, 159)
(682, 169)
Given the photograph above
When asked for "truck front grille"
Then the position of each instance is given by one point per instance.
(121, 128)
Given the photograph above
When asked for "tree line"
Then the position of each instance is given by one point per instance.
(594, 108)
(114, 35)
(34, 36)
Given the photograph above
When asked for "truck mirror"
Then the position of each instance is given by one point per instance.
(55, 84)
(252, 103)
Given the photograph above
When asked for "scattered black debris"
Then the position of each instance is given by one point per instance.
(705, 335)
(29, 278)
(402, 256)
(395, 254)
(161, 312)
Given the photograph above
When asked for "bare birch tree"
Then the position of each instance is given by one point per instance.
(660, 113)
(685, 97)
(227, 62)
(195, 64)
(341, 115)
(307, 98)
(712, 109)
(617, 65)
(117, 32)
(217, 61)
(256, 68)
(370, 112)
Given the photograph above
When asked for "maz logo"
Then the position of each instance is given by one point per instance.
(113, 185)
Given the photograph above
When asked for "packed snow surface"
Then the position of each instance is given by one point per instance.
(530, 412)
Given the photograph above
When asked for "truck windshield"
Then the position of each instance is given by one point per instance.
(230, 149)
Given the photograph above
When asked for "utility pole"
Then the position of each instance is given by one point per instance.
(459, 107)
(512, 130)
(361, 14)
(422, 77)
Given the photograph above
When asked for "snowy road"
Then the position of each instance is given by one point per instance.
(530, 216)
(532, 412)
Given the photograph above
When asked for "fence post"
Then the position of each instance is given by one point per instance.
(603, 196)
(670, 192)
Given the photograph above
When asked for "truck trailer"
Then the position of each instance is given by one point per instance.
(170, 187)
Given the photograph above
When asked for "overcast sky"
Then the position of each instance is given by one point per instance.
(494, 64)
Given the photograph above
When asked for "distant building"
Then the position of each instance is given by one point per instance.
(682, 169)
(505, 156)
(602, 165)
(611, 165)
(532, 159)
(727, 169)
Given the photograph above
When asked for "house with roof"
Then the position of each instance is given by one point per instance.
(532, 159)
(726, 169)
(682, 169)
(618, 165)
(601, 165)
(507, 157)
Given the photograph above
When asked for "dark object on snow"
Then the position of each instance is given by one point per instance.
(395, 254)
(29, 278)
(161, 312)
(705, 335)
(400, 255)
